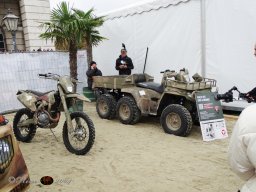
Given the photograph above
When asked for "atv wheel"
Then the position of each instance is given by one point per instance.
(24, 134)
(106, 106)
(81, 139)
(98, 92)
(127, 111)
(176, 119)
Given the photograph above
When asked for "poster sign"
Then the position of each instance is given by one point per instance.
(214, 129)
(211, 117)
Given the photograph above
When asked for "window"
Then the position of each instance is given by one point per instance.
(2, 44)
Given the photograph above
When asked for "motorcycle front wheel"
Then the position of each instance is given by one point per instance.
(80, 140)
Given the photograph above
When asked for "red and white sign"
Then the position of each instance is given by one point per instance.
(214, 129)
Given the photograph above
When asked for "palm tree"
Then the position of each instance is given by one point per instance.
(88, 23)
(63, 28)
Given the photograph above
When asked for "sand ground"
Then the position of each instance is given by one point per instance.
(128, 158)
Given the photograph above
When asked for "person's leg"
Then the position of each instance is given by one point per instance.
(90, 85)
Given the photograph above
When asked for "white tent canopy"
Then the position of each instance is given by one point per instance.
(142, 7)
(214, 37)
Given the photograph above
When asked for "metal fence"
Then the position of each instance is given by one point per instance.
(19, 71)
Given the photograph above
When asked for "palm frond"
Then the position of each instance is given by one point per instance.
(69, 24)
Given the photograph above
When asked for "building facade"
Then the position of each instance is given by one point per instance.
(31, 14)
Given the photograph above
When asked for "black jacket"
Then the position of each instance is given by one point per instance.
(128, 61)
(90, 73)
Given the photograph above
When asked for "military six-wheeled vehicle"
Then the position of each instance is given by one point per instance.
(130, 97)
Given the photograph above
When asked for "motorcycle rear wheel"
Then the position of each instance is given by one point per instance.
(24, 134)
(83, 130)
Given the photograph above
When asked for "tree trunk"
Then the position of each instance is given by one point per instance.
(89, 52)
(73, 60)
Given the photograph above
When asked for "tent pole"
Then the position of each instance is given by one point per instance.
(203, 37)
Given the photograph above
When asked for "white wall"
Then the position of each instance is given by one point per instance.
(20, 73)
(231, 35)
(33, 13)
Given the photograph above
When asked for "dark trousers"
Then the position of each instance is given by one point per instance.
(89, 85)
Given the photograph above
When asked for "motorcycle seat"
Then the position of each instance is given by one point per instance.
(38, 93)
(151, 85)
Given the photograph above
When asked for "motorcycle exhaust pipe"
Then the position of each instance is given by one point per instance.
(54, 120)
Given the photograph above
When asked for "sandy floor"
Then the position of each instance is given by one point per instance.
(131, 158)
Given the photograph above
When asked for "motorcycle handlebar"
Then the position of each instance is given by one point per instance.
(55, 77)
(42, 75)
(47, 75)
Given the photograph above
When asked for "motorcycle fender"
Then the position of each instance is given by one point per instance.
(144, 99)
(28, 100)
(79, 97)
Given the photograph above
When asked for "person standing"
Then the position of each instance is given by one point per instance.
(124, 63)
(242, 148)
(92, 71)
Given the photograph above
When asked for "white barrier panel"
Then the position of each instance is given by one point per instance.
(19, 71)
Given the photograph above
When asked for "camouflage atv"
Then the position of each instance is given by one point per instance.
(14, 174)
(130, 97)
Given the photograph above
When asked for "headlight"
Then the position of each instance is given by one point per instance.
(66, 84)
(70, 89)
(6, 152)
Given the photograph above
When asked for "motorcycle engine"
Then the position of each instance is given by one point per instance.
(43, 119)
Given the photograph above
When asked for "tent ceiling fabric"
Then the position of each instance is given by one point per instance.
(172, 35)
(145, 7)
(174, 38)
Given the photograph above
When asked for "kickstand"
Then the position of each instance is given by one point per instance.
(54, 135)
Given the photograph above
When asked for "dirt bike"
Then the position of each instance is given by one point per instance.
(43, 110)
